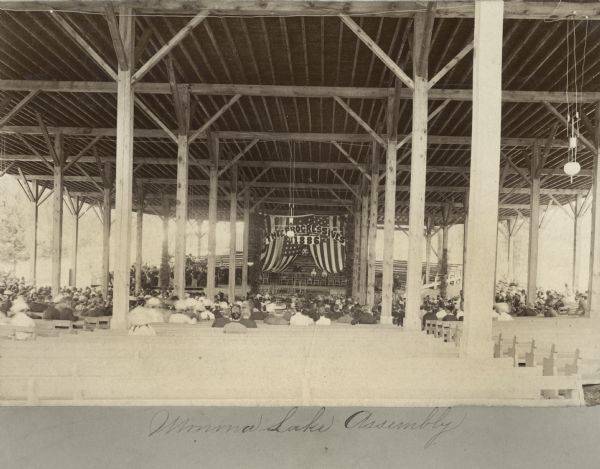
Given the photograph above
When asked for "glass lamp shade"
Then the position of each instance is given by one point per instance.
(572, 168)
(290, 233)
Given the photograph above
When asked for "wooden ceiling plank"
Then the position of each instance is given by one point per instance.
(84, 44)
(380, 53)
(115, 35)
(166, 48)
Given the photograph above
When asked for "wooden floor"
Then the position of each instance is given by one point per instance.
(271, 365)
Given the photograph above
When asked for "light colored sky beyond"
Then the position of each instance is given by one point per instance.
(555, 255)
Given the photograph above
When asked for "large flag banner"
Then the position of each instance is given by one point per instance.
(321, 236)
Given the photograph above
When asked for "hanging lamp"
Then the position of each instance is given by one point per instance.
(572, 167)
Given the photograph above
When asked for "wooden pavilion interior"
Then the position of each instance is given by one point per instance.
(419, 114)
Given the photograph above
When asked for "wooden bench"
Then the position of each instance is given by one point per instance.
(10, 332)
(63, 325)
(522, 353)
(452, 332)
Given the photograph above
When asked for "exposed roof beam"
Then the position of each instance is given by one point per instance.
(213, 118)
(275, 136)
(378, 51)
(115, 35)
(20, 105)
(513, 9)
(450, 65)
(84, 44)
(346, 92)
(304, 186)
(166, 48)
(266, 164)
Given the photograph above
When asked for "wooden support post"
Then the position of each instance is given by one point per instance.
(374, 197)
(35, 206)
(75, 243)
(389, 210)
(428, 239)
(213, 150)
(484, 180)
(246, 244)
(123, 176)
(57, 215)
(444, 262)
(576, 243)
(534, 228)
(200, 236)
(443, 259)
(594, 278)
(510, 242)
(364, 241)
(418, 168)
(181, 207)
(232, 231)
(139, 237)
(106, 227)
(356, 250)
(165, 270)
(465, 235)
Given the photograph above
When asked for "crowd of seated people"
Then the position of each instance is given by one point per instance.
(195, 275)
(512, 299)
(240, 315)
(21, 302)
(69, 304)
(441, 309)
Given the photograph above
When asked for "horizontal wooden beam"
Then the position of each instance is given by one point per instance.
(165, 161)
(308, 186)
(513, 9)
(274, 136)
(346, 92)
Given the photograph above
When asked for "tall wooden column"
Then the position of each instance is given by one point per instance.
(465, 236)
(484, 179)
(510, 242)
(428, 239)
(232, 232)
(57, 215)
(200, 236)
(444, 254)
(594, 278)
(356, 251)
(364, 242)
(213, 151)
(374, 197)
(389, 210)
(181, 204)
(165, 269)
(75, 242)
(106, 226)
(534, 228)
(418, 165)
(576, 244)
(139, 237)
(246, 243)
(35, 208)
(123, 175)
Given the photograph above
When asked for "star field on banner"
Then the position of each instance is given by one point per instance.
(323, 236)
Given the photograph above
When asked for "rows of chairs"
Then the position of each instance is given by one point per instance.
(53, 328)
(449, 331)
